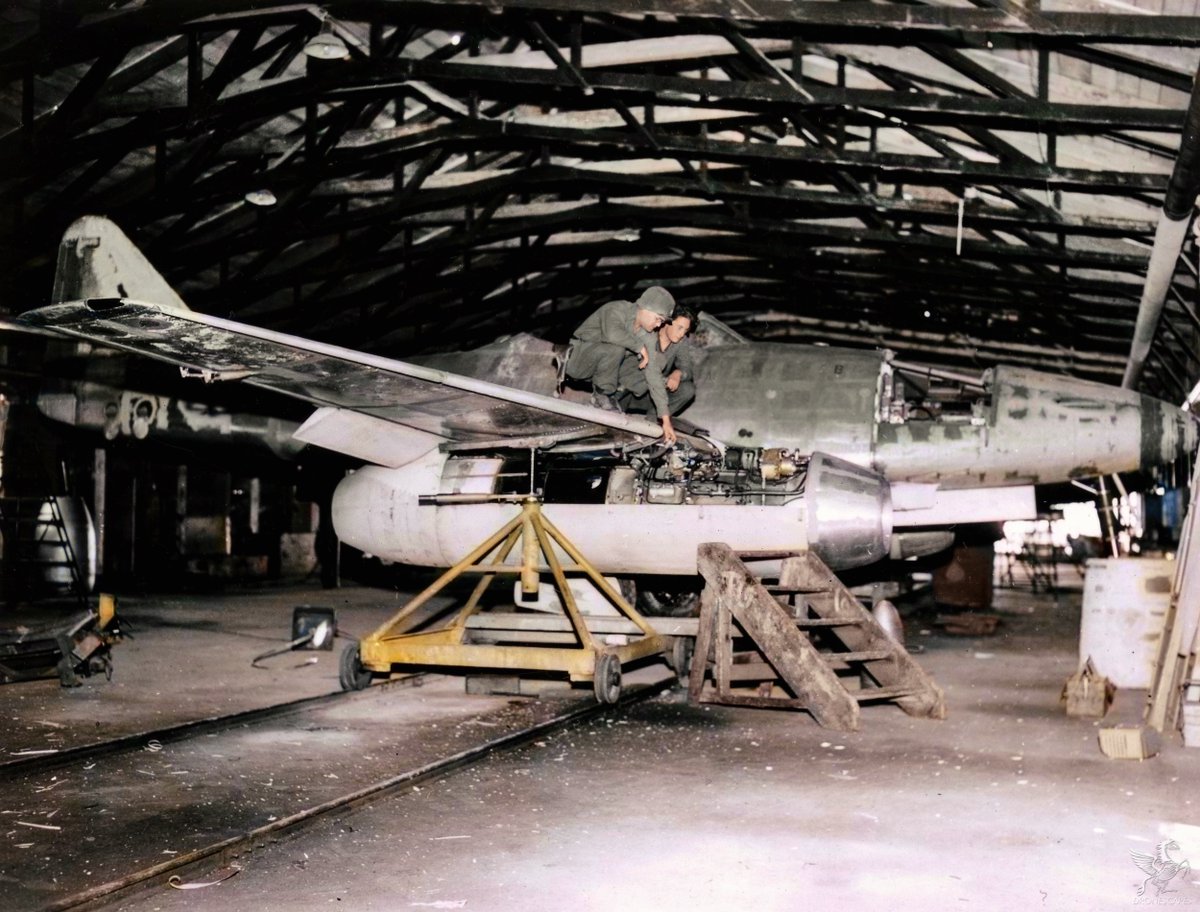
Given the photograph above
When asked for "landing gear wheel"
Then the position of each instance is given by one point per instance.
(668, 603)
(351, 674)
(607, 679)
(679, 657)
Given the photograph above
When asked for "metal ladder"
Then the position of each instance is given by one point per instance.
(26, 534)
(809, 607)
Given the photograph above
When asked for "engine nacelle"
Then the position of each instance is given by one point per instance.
(628, 527)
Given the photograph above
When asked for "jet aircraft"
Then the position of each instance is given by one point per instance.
(850, 453)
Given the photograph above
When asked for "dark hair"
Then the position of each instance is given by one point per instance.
(682, 310)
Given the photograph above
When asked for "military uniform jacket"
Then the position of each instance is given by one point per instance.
(614, 324)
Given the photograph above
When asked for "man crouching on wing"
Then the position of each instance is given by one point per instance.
(602, 341)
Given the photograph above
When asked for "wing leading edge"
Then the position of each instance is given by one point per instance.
(443, 408)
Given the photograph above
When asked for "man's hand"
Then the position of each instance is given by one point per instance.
(673, 380)
(643, 358)
(668, 434)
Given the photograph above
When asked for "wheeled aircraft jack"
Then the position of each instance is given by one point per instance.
(451, 646)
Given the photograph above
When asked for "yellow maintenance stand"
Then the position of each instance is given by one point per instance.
(450, 646)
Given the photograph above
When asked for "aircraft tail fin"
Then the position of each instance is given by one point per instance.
(97, 260)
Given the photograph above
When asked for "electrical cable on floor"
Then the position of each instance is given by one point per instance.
(316, 636)
(221, 876)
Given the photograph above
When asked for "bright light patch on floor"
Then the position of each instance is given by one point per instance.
(1186, 834)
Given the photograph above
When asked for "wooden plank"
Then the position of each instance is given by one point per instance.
(886, 693)
(752, 671)
(1180, 638)
(555, 622)
(763, 670)
(827, 622)
(525, 637)
(867, 655)
(723, 657)
(704, 643)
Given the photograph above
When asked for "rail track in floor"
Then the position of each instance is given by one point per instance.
(200, 859)
(36, 761)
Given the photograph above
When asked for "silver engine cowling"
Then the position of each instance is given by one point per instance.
(640, 516)
(849, 512)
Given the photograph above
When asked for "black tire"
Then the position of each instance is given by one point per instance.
(668, 603)
(351, 674)
(607, 678)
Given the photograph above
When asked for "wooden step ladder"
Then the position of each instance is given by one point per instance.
(786, 623)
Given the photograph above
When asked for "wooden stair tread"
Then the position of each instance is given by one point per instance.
(866, 655)
(829, 622)
(887, 693)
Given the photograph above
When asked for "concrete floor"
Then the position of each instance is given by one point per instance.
(1007, 804)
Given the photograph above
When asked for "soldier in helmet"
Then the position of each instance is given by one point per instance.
(677, 363)
(619, 328)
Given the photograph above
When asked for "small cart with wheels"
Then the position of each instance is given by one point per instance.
(577, 651)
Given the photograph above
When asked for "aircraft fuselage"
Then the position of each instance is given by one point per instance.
(1019, 427)
(1008, 427)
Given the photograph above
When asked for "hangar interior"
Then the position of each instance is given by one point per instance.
(947, 276)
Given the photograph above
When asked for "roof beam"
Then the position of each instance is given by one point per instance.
(856, 104)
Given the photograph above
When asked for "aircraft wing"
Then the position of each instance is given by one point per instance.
(379, 409)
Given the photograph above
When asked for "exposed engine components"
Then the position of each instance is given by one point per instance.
(738, 475)
(644, 510)
(772, 464)
(680, 475)
(778, 464)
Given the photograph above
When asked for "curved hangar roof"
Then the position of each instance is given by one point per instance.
(962, 183)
